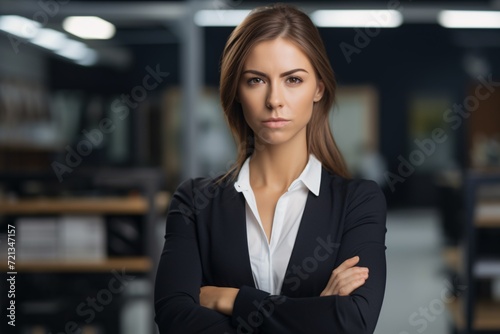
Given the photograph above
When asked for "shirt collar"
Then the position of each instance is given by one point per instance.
(310, 176)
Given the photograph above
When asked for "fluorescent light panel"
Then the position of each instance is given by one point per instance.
(49, 39)
(89, 27)
(220, 18)
(78, 52)
(73, 50)
(19, 26)
(469, 19)
(322, 18)
(347, 18)
(89, 59)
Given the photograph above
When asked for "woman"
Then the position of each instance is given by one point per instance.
(285, 241)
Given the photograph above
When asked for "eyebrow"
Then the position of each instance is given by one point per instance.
(284, 74)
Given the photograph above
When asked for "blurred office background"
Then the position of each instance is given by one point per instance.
(100, 120)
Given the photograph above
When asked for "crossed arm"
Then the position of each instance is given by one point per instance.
(344, 280)
(350, 302)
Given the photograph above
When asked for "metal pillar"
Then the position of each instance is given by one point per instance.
(192, 50)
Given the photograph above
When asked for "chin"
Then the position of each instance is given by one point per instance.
(273, 140)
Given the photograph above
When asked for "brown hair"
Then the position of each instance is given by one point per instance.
(268, 23)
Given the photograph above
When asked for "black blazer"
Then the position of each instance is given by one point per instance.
(206, 244)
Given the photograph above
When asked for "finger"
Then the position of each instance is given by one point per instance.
(342, 267)
(346, 290)
(339, 279)
(348, 275)
(349, 263)
(351, 272)
(343, 279)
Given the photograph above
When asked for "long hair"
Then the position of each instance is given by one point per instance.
(263, 24)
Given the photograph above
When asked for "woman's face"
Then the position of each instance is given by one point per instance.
(278, 82)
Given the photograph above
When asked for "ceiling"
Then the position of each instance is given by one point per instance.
(142, 26)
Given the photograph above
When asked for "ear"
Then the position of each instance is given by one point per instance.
(320, 90)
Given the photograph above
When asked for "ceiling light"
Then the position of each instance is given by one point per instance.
(74, 50)
(89, 59)
(89, 27)
(78, 52)
(357, 18)
(19, 26)
(469, 19)
(49, 39)
(220, 18)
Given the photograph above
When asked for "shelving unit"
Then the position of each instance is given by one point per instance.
(106, 205)
(478, 315)
(135, 264)
(133, 205)
(139, 196)
(487, 215)
(486, 319)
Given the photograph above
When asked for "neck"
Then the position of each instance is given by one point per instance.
(275, 167)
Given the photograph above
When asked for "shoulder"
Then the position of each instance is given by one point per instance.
(194, 194)
(363, 203)
(356, 191)
(203, 185)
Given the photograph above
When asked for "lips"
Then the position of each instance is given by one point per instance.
(275, 119)
(275, 122)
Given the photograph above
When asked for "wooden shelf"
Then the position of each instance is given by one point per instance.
(486, 315)
(129, 264)
(483, 267)
(488, 214)
(87, 205)
(29, 147)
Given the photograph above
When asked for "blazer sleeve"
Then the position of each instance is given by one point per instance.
(179, 275)
(256, 311)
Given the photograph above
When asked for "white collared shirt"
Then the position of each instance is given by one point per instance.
(269, 260)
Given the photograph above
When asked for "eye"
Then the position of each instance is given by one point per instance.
(254, 81)
(294, 80)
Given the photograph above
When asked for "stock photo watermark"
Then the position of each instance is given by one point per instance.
(427, 147)
(265, 309)
(40, 18)
(95, 304)
(225, 4)
(11, 275)
(421, 319)
(201, 199)
(255, 319)
(321, 253)
(120, 107)
(364, 36)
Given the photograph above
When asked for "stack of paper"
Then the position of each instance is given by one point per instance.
(82, 238)
(36, 238)
(65, 238)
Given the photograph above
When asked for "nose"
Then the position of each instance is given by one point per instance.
(274, 98)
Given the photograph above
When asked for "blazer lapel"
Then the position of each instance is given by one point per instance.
(315, 222)
(233, 221)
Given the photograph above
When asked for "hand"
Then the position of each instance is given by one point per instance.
(346, 278)
(218, 299)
